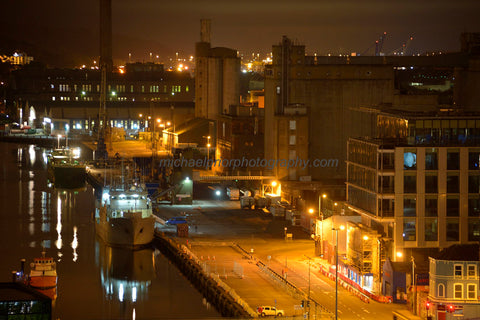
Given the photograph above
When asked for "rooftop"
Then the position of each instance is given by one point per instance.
(459, 252)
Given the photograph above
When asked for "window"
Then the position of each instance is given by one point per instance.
(431, 160)
(431, 229)
(409, 230)
(410, 160)
(458, 270)
(409, 207)
(452, 229)
(431, 183)
(474, 206)
(473, 183)
(471, 270)
(441, 291)
(293, 124)
(471, 291)
(452, 183)
(453, 207)
(474, 160)
(453, 160)
(292, 140)
(278, 89)
(458, 291)
(431, 207)
(410, 183)
(473, 229)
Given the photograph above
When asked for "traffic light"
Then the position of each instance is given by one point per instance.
(451, 309)
(303, 303)
(427, 305)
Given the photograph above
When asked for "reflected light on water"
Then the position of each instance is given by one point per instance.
(58, 243)
(120, 292)
(134, 294)
(31, 198)
(45, 218)
(75, 244)
(133, 314)
(31, 153)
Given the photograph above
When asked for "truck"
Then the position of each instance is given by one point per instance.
(246, 202)
(260, 202)
(233, 193)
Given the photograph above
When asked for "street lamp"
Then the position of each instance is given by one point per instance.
(208, 151)
(336, 269)
(320, 213)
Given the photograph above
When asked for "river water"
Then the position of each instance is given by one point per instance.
(94, 280)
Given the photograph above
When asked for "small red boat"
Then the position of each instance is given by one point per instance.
(43, 273)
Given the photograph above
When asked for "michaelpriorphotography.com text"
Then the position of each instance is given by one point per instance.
(252, 163)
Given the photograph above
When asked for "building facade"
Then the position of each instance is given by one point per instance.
(454, 282)
(418, 184)
(217, 77)
(135, 93)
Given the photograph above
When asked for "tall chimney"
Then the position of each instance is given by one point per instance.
(205, 30)
(106, 34)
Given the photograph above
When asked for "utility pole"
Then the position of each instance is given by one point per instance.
(308, 301)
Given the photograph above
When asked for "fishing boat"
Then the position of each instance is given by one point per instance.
(43, 273)
(123, 215)
(66, 169)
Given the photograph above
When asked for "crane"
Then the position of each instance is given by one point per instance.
(379, 44)
(406, 45)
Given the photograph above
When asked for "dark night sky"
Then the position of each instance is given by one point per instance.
(166, 27)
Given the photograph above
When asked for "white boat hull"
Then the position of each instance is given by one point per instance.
(126, 232)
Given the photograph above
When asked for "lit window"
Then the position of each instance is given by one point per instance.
(458, 291)
(471, 291)
(471, 270)
(278, 89)
(293, 124)
(441, 291)
(292, 141)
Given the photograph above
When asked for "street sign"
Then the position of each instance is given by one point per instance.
(297, 307)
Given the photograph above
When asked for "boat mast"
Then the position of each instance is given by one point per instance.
(106, 65)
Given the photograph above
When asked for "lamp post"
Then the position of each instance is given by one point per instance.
(320, 213)
(58, 143)
(208, 152)
(308, 296)
(336, 269)
(414, 288)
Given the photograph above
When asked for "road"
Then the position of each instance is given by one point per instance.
(217, 226)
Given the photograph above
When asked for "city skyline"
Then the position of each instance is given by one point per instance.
(325, 27)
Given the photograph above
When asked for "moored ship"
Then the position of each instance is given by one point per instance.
(123, 216)
(65, 168)
(43, 273)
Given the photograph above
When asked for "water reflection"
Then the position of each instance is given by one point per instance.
(126, 275)
(34, 217)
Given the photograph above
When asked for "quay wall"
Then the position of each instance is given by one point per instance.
(216, 292)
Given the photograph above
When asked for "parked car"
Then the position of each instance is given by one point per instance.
(264, 311)
(176, 220)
